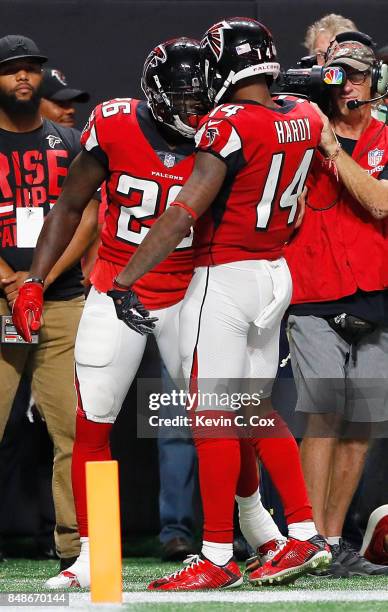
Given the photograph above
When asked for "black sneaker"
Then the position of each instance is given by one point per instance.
(347, 562)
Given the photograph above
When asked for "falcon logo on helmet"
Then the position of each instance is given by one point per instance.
(158, 55)
(214, 38)
(233, 49)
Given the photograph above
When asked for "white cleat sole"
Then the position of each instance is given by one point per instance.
(320, 560)
(64, 581)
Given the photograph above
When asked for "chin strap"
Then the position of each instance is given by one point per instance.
(182, 128)
(228, 81)
(178, 126)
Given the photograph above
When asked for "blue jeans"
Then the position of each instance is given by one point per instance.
(178, 474)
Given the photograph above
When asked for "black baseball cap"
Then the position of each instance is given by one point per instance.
(55, 87)
(16, 46)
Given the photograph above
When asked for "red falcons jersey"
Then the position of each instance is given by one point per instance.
(268, 153)
(145, 176)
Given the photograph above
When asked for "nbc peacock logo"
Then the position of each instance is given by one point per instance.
(333, 76)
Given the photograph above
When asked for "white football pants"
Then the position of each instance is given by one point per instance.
(108, 354)
(230, 322)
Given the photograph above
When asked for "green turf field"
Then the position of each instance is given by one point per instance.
(306, 595)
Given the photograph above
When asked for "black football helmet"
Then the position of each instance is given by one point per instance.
(173, 84)
(235, 49)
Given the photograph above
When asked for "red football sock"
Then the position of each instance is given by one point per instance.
(219, 468)
(248, 481)
(91, 444)
(280, 457)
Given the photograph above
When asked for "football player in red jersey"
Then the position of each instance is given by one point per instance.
(253, 156)
(145, 153)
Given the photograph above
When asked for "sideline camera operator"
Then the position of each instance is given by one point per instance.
(338, 324)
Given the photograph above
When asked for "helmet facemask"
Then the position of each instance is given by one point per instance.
(181, 109)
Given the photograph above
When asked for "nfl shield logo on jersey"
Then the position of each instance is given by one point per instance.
(375, 156)
(169, 160)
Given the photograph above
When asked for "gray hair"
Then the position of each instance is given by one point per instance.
(332, 24)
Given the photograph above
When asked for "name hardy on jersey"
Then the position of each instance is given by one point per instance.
(293, 130)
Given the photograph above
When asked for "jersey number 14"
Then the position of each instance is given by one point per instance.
(289, 197)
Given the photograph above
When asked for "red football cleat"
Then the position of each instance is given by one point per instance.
(296, 558)
(265, 553)
(373, 547)
(200, 574)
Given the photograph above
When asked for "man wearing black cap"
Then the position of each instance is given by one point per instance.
(338, 323)
(58, 99)
(35, 155)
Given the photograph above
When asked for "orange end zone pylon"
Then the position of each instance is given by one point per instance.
(102, 490)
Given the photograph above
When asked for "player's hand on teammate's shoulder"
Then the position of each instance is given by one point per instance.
(130, 309)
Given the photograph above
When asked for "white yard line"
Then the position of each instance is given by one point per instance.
(242, 597)
(81, 601)
(260, 597)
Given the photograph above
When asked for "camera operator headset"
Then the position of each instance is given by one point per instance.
(380, 112)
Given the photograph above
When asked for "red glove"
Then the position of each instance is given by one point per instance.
(27, 309)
